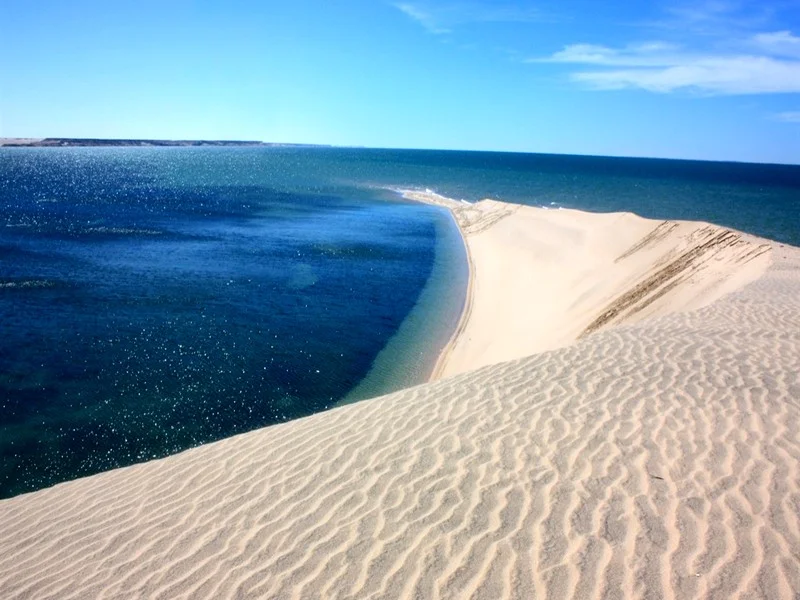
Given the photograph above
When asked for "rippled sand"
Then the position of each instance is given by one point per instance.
(656, 458)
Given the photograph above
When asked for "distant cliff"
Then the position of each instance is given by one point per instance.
(64, 142)
(39, 142)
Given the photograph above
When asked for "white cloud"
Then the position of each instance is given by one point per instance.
(659, 67)
(711, 75)
(779, 43)
(442, 17)
(422, 17)
(717, 17)
(789, 117)
(653, 54)
(710, 10)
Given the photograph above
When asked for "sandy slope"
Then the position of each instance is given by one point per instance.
(540, 279)
(655, 459)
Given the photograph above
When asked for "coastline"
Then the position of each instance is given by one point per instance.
(455, 208)
(463, 319)
(466, 309)
(412, 353)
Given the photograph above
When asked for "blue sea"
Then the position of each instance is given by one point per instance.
(154, 299)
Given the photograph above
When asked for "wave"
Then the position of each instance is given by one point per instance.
(27, 284)
(123, 230)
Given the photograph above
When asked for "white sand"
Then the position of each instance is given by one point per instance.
(655, 459)
(540, 278)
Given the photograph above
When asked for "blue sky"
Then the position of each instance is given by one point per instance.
(707, 79)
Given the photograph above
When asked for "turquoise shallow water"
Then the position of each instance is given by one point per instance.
(152, 299)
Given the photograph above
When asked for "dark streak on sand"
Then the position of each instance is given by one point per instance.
(676, 272)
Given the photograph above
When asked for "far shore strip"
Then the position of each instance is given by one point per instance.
(542, 278)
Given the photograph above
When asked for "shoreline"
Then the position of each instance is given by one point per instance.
(432, 198)
(456, 209)
(410, 356)
(463, 318)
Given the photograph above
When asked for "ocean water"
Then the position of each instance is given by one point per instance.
(152, 299)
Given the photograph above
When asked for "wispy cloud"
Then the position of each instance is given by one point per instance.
(779, 43)
(443, 17)
(422, 16)
(770, 65)
(717, 17)
(653, 54)
(788, 117)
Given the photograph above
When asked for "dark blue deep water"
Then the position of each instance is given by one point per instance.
(152, 299)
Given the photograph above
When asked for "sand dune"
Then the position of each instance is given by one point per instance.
(656, 459)
(540, 279)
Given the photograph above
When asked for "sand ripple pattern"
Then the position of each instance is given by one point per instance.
(655, 460)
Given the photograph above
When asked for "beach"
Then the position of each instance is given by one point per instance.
(615, 416)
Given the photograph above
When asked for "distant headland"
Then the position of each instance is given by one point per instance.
(64, 142)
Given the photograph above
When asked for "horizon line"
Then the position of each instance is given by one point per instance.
(53, 142)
